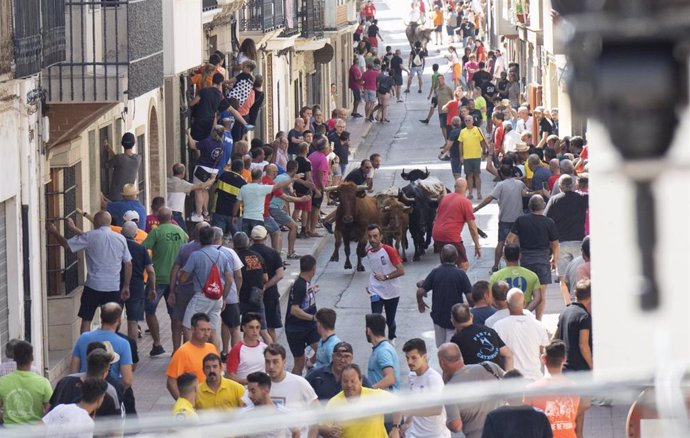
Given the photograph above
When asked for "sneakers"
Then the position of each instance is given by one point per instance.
(407, 91)
(419, 91)
(392, 341)
(425, 121)
(356, 115)
(157, 350)
(196, 218)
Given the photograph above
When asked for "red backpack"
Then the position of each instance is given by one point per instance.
(213, 288)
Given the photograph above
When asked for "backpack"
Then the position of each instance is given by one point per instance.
(417, 60)
(213, 288)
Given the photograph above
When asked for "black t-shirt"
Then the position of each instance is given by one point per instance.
(417, 52)
(454, 133)
(481, 76)
(211, 101)
(517, 422)
(293, 148)
(477, 116)
(536, 232)
(448, 284)
(569, 211)
(396, 65)
(357, 176)
(372, 30)
(68, 390)
(273, 262)
(479, 343)
(342, 150)
(227, 189)
(537, 151)
(573, 319)
(303, 166)
(488, 91)
(545, 127)
(502, 87)
(252, 272)
(140, 259)
(302, 296)
(467, 29)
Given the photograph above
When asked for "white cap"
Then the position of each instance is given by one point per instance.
(131, 215)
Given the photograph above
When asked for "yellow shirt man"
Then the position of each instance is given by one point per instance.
(183, 410)
(471, 139)
(371, 427)
(229, 396)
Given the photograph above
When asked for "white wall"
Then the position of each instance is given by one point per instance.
(624, 337)
(182, 35)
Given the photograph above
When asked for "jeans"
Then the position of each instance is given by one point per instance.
(179, 218)
(391, 306)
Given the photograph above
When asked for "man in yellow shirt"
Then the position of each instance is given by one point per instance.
(472, 146)
(217, 392)
(183, 410)
(372, 427)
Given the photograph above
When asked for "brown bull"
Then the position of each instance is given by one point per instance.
(354, 214)
(394, 222)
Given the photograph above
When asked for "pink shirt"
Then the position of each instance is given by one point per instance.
(369, 78)
(319, 166)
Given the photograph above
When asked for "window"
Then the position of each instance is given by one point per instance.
(105, 142)
(141, 150)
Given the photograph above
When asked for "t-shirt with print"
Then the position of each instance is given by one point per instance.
(452, 214)
(272, 262)
(519, 277)
(383, 355)
(211, 152)
(165, 242)
(65, 416)
(120, 346)
(471, 140)
(432, 426)
(253, 196)
(561, 410)
(478, 344)
(228, 187)
(200, 263)
(383, 260)
(252, 272)
(509, 195)
(245, 359)
(295, 393)
(448, 285)
(302, 295)
(23, 395)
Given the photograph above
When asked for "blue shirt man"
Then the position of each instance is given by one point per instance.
(383, 369)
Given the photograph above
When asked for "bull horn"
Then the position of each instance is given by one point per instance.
(330, 188)
(405, 197)
(426, 175)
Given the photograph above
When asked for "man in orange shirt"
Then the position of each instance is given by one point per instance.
(565, 412)
(190, 356)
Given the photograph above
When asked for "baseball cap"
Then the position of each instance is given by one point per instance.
(507, 123)
(131, 215)
(259, 233)
(342, 346)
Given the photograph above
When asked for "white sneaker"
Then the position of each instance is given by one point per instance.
(196, 218)
(393, 342)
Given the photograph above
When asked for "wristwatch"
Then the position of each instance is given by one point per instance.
(387, 277)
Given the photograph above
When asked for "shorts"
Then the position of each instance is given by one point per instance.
(303, 206)
(249, 224)
(455, 166)
(438, 28)
(224, 223)
(443, 120)
(356, 94)
(246, 307)
(472, 166)
(416, 71)
(200, 304)
(162, 290)
(181, 303)
(373, 41)
(462, 253)
(196, 180)
(543, 271)
(434, 101)
(299, 338)
(450, 30)
(503, 230)
(280, 216)
(92, 299)
(316, 202)
(271, 225)
(230, 316)
(370, 96)
(397, 79)
(272, 311)
(135, 308)
(567, 252)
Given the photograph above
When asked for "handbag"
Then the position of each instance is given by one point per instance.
(201, 174)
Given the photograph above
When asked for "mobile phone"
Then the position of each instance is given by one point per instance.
(545, 185)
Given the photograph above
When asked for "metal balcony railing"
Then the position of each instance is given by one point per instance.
(208, 5)
(262, 16)
(311, 19)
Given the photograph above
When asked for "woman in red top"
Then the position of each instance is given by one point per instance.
(480, 51)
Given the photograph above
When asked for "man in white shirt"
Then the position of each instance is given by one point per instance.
(426, 423)
(179, 188)
(525, 336)
(62, 418)
(524, 121)
(288, 389)
(258, 393)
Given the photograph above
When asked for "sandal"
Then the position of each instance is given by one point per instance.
(293, 256)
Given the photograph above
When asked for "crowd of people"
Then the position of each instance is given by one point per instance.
(220, 278)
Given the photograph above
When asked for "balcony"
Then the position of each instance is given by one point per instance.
(262, 16)
(339, 13)
(182, 35)
(114, 51)
(311, 20)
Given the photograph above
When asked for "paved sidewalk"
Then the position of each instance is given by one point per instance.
(149, 377)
